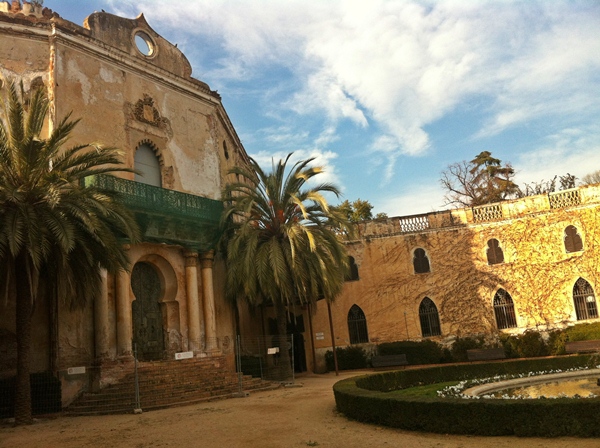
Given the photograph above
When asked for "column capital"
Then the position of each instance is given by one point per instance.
(207, 258)
(191, 258)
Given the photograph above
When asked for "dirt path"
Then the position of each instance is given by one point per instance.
(287, 417)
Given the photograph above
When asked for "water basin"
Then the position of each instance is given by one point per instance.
(565, 384)
(583, 387)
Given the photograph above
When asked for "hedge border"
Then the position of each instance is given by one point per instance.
(365, 399)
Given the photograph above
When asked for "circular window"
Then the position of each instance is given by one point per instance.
(144, 43)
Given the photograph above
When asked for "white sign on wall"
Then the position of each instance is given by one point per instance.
(319, 336)
(76, 370)
(184, 355)
(272, 350)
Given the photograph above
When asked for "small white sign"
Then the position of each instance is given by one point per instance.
(319, 336)
(76, 370)
(272, 350)
(184, 355)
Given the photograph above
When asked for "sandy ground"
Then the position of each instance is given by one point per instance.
(286, 417)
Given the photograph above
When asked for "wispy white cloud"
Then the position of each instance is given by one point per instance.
(394, 67)
(323, 159)
(571, 150)
(412, 202)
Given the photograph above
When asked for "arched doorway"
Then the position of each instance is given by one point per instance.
(146, 314)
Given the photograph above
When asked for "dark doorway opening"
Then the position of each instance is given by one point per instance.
(146, 313)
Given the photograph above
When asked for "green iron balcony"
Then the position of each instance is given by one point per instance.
(167, 216)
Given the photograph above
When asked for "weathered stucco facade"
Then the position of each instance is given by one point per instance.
(538, 267)
(133, 90)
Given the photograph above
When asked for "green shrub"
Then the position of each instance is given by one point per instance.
(556, 342)
(423, 352)
(583, 332)
(527, 345)
(351, 357)
(461, 345)
(366, 399)
(579, 332)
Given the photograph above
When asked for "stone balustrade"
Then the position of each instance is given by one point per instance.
(510, 209)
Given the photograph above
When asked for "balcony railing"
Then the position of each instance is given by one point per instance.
(167, 216)
(155, 200)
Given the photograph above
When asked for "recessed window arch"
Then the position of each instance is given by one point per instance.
(572, 239)
(504, 310)
(420, 261)
(494, 252)
(357, 325)
(584, 300)
(353, 270)
(429, 317)
(225, 151)
(147, 165)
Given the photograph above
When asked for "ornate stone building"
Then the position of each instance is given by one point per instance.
(530, 263)
(518, 265)
(133, 90)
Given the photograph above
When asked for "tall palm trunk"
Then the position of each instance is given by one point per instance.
(23, 323)
(284, 354)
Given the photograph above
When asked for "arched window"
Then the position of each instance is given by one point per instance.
(573, 242)
(225, 152)
(494, 252)
(147, 165)
(353, 273)
(585, 300)
(420, 261)
(357, 325)
(430, 320)
(504, 309)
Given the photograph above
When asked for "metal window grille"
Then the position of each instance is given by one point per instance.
(357, 325)
(420, 261)
(573, 242)
(585, 300)
(430, 320)
(494, 252)
(504, 309)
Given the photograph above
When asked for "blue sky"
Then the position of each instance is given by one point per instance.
(386, 94)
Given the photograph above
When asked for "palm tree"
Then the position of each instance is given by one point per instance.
(55, 233)
(281, 248)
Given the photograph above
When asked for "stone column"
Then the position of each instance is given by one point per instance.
(124, 322)
(101, 318)
(210, 324)
(193, 306)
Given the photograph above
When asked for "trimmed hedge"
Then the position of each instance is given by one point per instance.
(421, 352)
(365, 399)
(351, 357)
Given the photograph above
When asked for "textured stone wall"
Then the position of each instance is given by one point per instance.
(537, 271)
(123, 98)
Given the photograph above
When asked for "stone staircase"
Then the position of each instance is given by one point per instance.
(168, 383)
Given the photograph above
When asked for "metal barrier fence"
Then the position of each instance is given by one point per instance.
(270, 358)
(129, 386)
(142, 384)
